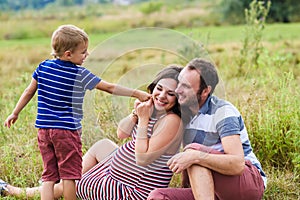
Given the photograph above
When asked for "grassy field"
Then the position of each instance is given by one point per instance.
(267, 94)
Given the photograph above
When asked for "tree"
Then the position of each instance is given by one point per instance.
(232, 11)
(23, 4)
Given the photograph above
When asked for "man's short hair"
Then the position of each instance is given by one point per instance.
(207, 71)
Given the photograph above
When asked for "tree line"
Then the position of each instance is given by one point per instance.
(232, 11)
(280, 10)
(6, 5)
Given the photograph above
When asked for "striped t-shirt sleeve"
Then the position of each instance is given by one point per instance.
(88, 79)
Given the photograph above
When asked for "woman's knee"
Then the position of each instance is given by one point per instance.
(105, 143)
(102, 148)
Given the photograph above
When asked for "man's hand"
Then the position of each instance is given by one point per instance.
(181, 161)
(184, 160)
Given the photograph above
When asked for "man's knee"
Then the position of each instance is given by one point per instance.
(196, 169)
(171, 194)
(158, 194)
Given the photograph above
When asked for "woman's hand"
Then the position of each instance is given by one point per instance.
(144, 110)
(136, 103)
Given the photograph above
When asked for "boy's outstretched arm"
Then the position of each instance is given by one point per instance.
(122, 91)
(24, 99)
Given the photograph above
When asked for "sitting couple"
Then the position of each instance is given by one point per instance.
(217, 161)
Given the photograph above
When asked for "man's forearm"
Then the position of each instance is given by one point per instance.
(223, 163)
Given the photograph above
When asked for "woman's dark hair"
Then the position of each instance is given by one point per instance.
(171, 71)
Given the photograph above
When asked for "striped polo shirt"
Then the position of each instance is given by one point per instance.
(217, 119)
(61, 89)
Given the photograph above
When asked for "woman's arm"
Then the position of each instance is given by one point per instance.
(167, 134)
(126, 125)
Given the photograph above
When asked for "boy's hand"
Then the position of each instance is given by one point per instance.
(143, 96)
(11, 119)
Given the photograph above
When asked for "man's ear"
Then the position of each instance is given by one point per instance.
(206, 92)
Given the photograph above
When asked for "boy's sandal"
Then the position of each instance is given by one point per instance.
(3, 187)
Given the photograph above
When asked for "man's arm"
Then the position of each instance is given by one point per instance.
(230, 163)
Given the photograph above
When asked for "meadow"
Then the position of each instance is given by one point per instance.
(265, 90)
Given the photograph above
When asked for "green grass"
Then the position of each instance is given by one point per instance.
(267, 96)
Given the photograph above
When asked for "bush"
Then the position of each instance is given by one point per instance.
(151, 7)
(274, 123)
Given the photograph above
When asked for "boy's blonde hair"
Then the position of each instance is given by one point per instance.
(67, 38)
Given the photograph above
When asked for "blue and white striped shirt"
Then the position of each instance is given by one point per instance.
(61, 89)
(217, 119)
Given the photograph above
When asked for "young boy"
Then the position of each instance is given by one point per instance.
(61, 84)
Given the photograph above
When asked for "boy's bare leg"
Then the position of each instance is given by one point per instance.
(47, 192)
(69, 189)
(58, 190)
(96, 153)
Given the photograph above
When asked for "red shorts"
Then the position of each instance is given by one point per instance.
(248, 186)
(61, 153)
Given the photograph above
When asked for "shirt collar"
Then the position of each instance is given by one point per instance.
(205, 107)
(65, 63)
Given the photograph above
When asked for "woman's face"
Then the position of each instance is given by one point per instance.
(163, 95)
